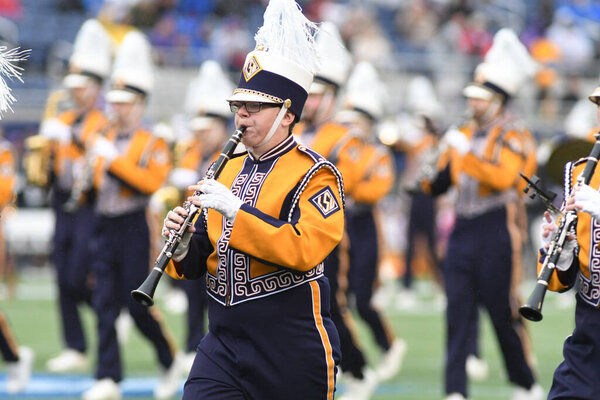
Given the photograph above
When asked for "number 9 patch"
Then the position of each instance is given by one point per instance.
(324, 200)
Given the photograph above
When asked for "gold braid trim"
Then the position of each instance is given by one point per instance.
(256, 92)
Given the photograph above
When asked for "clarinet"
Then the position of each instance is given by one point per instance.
(532, 309)
(144, 294)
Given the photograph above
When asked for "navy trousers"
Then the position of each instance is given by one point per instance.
(364, 254)
(477, 271)
(71, 258)
(121, 264)
(578, 376)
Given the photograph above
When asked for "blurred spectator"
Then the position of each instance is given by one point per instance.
(230, 41)
(575, 44)
(417, 23)
(365, 38)
(11, 8)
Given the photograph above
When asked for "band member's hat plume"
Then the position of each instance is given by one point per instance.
(9, 69)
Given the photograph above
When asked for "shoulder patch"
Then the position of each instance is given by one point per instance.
(324, 201)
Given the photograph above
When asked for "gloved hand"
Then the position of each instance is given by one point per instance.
(587, 200)
(217, 196)
(548, 230)
(566, 255)
(55, 129)
(455, 138)
(104, 148)
(173, 220)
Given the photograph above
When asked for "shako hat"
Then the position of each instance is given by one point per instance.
(281, 67)
(207, 95)
(506, 67)
(133, 69)
(91, 57)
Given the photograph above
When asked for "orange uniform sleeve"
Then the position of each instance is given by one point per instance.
(299, 246)
(499, 172)
(145, 178)
(7, 176)
(377, 180)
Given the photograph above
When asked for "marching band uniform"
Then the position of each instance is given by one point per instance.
(578, 376)
(72, 204)
(363, 107)
(18, 359)
(262, 250)
(479, 261)
(131, 164)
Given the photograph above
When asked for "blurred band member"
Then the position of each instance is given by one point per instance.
(131, 164)
(72, 200)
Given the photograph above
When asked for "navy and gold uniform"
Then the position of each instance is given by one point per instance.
(121, 248)
(376, 180)
(268, 296)
(480, 256)
(73, 229)
(578, 375)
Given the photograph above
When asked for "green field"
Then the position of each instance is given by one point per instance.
(33, 316)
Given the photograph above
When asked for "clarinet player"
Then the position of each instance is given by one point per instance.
(578, 375)
(270, 220)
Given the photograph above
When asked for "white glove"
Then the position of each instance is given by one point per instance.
(104, 148)
(455, 138)
(588, 200)
(547, 226)
(184, 245)
(566, 255)
(218, 197)
(55, 129)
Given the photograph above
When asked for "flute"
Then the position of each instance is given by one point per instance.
(144, 294)
(532, 309)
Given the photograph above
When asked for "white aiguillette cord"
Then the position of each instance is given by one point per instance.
(286, 105)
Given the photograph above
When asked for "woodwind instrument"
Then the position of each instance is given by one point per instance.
(144, 294)
(82, 182)
(532, 309)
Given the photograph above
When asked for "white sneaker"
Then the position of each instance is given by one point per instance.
(123, 325)
(187, 360)
(68, 360)
(391, 361)
(534, 393)
(170, 380)
(455, 396)
(406, 300)
(477, 368)
(103, 389)
(360, 389)
(19, 372)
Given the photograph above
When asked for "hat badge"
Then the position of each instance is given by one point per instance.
(251, 68)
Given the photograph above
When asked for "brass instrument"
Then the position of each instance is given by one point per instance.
(144, 294)
(532, 309)
(37, 160)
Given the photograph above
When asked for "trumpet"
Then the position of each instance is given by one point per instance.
(532, 309)
(144, 294)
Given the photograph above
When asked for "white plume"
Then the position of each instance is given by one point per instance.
(8, 69)
(288, 33)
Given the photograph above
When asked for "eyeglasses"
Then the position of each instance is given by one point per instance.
(251, 106)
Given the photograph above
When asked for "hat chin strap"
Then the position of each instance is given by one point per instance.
(284, 107)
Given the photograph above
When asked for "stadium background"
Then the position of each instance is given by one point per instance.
(441, 39)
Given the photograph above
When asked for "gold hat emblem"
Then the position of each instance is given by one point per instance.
(251, 68)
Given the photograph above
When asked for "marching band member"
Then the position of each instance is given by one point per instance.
(18, 359)
(577, 376)
(485, 158)
(334, 141)
(131, 164)
(89, 65)
(420, 142)
(270, 220)
(210, 117)
(363, 109)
